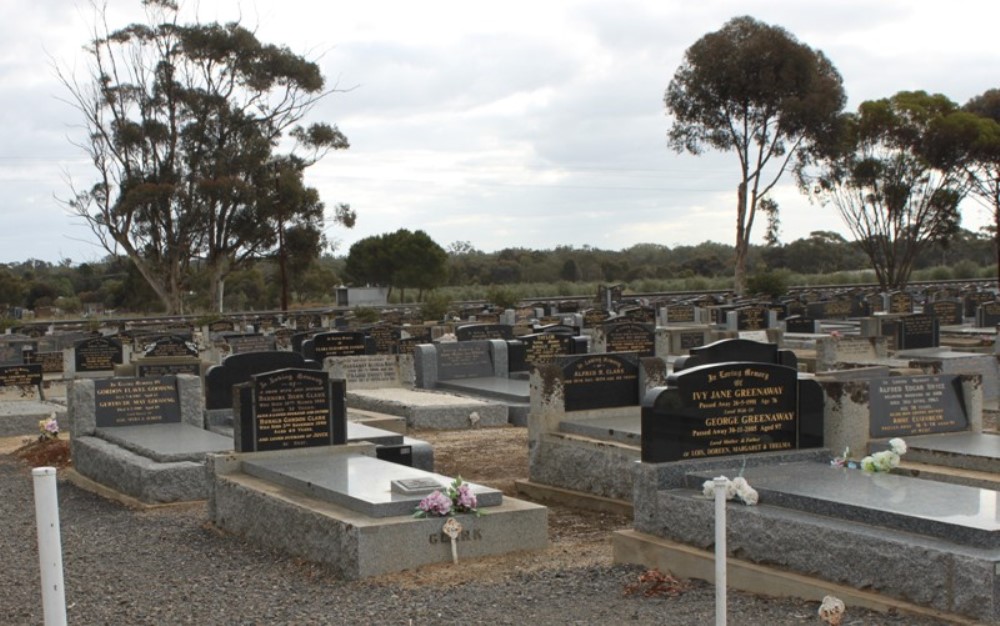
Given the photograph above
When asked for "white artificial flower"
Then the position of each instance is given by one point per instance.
(898, 446)
(868, 464)
(708, 488)
(749, 496)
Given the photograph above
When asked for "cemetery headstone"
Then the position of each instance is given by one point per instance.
(97, 354)
(289, 408)
(917, 331)
(630, 337)
(599, 381)
(725, 409)
(902, 406)
(136, 401)
(481, 332)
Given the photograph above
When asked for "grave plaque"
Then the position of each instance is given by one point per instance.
(480, 332)
(464, 359)
(136, 401)
(721, 410)
(752, 318)
(900, 302)
(170, 346)
(545, 347)
(599, 381)
(14, 351)
(680, 314)
(690, 340)
(630, 337)
(165, 366)
(988, 315)
(347, 343)
(20, 375)
(946, 312)
(916, 405)
(800, 324)
(595, 317)
(917, 331)
(97, 354)
(831, 309)
(222, 326)
(51, 362)
(290, 408)
(250, 342)
(386, 338)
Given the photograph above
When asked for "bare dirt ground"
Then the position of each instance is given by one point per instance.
(497, 457)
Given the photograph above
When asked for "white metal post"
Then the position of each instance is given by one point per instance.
(49, 546)
(720, 551)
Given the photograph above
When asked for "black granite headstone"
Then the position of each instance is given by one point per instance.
(722, 409)
(988, 315)
(946, 312)
(599, 381)
(238, 368)
(289, 408)
(97, 354)
(917, 331)
(916, 405)
(170, 345)
(735, 350)
(51, 362)
(480, 332)
(125, 401)
(630, 337)
(28, 375)
(346, 343)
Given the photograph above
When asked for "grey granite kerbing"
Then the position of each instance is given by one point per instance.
(930, 571)
(352, 544)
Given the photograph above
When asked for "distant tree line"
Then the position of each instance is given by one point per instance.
(409, 260)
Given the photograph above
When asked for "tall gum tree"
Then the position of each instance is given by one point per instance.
(184, 126)
(897, 177)
(754, 90)
(983, 169)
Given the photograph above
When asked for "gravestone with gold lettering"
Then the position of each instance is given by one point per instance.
(727, 409)
(289, 408)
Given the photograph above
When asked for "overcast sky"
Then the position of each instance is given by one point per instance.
(503, 124)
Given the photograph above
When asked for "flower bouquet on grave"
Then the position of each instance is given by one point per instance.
(49, 428)
(883, 461)
(458, 498)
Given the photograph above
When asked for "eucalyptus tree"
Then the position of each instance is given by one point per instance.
(897, 177)
(184, 126)
(984, 167)
(754, 90)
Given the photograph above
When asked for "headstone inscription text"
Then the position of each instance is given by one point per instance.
(599, 381)
(20, 375)
(721, 410)
(97, 354)
(136, 401)
(916, 405)
(291, 408)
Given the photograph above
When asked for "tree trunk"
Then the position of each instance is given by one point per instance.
(740, 260)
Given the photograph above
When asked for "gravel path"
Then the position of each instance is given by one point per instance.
(168, 566)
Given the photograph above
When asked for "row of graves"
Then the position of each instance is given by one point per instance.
(624, 429)
(289, 464)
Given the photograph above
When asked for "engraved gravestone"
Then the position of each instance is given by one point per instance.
(464, 359)
(988, 314)
(28, 375)
(480, 332)
(333, 344)
(916, 405)
(97, 354)
(630, 337)
(289, 408)
(51, 362)
(946, 312)
(725, 409)
(123, 401)
(170, 346)
(599, 381)
(917, 331)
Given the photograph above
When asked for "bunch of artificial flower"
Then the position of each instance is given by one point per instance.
(885, 460)
(49, 428)
(458, 499)
(735, 488)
